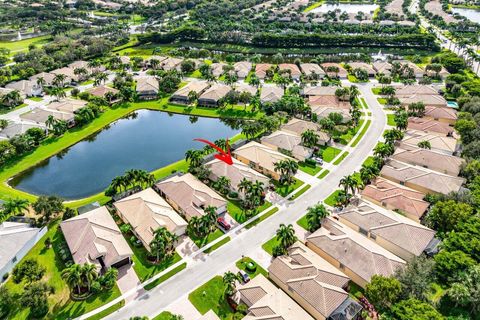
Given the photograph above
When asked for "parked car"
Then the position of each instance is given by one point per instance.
(223, 223)
(244, 275)
(318, 160)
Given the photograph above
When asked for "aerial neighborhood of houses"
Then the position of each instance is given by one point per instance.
(351, 193)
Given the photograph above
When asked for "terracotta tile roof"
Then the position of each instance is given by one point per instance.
(95, 234)
(433, 160)
(328, 101)
(261, 155)
(397, 196)
(235, 172)
(357, 253)
(190, 194)
(431, 180)
(429, 125)
(393, 227)
(294, 70)
(320, 91)
(146, 211)
(342, 72)
(67, 105)
(261, 69)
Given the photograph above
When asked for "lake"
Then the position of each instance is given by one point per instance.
(471, 14)
(145, 140)
(347, 7)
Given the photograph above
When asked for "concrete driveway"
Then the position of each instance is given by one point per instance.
(128, 280)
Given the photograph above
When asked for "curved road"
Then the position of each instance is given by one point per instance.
(202, 268)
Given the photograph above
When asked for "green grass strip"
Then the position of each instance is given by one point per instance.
(218, 245)
(302, 191)
(106, 312)
(166, 276)
(362, 133)
(340, 159)
(323, 174)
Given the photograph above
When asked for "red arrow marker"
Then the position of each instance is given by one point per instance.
(222, 155)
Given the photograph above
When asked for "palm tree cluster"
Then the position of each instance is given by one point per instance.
(315, 215)
(57, 126)
(285, 238)
(88, 113)
(163, 244)
(11, 99)
(253, 194)
(131, 179)
(287, 169)
(309, 138)
(201, 227)
(229, 280)
(84, 279)
(48, 207)
(13, 206)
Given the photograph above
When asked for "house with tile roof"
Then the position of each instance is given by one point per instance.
(417, 89)
(261, 70)
(40, 116)
(69, 74)
(365, 66)
(443, 144)
(181, 95)
(212, 96)
(265, 301)
(15, 128)
(171, 63)
(382, 67)
(402, 236)
(299, 126)
(261, 158)
(244, 87)
(312, 68)
(242, 69)
(319, 91)
(430, 159)
(289, 143)
(94, 238)
(431, 126)
(147, 87)
(342, 73)
(316, 285)
(101, 91)
(421, 179)
(430, 100)
(442, 114)
(217, 68)
(235, 172)
(394, 196)
(292, 68)
(46, 76)
(189, 196)
(67, 105)
(271, 94)
(146, 212)
(26, 87)
(355, 255)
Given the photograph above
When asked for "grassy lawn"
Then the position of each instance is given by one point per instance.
(107, 311)
(52, 145)
(270, 244)
(302, 222)
(332, 199)
(146, 269)
(210, 296)
(200, 242)
(218, 245)
(352, 131)
(37, 99)
(166, 276)
(323, 174)
(284, 190)
(271, 212)
(368, 161)
(313, 6)
(340, 159)
(309, 169)
(391, 120)
(7, 110)
(302, 191)
(235, 210)
(165, 315)
(363, 103)
(61, 307)
(22, 45)
(329, 153)
(242, 265)
(361, 134)
(376, 91)
(382, 101)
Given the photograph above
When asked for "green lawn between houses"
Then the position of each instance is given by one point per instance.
(331, 199)
(300, 192)
(284, 190)
(340, 159)
(309, 169)
(52, 145)
(329, 153)
(270, 244)
(391, 120)
(61, 307)
(362, 133)
(235, 210)
(242, 265)
(302, 222)
(210, 296)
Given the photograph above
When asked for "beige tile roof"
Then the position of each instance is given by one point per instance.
(171, 63)
(243, 87)
(320, 91)
(440, 113)
(67, 105)
(288, 141)
(342, 72)
(363, 65)
(95, 234)
(299, 126)
(147, 84)
(427, 99)
(434, 160)
(261, 155)
(66, 71)
(419, 89)
(196, 86)
(84, 64)
(430, 125)
(357, 253)
(24, 86)
(294, 70)
(41, 115)
(397, 196)
(382, 67)
(265, 301)
(190, 194)
(323, 112)
(15, 128)
(261, 69)
(235, 172)
(146, 211)
(393, 227)
(217, 68)
(271, 94)
(100, 91)
(438, 143)
(431, 180)
(210, 315)
(216, 92)
(309, 68)
(243, 68)
(317, 282)
(47, 76)
(327, 101)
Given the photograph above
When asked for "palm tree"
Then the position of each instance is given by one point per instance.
(383, 150)
(100, 77)
(425, 145)
(391, 136)
(210, 218)
(59, 80)
(11, 99)
(245, 185)
(195, 158)
(73, 277)
(118, 183)
(15, 206)
(309, 138)
(287, 169)
(368, 173)
(58, 92)
(229, 279)
(348, 182)
(80, 72)
(286, 236)
(163, 243)
(41, 82)
(315, 215)
(89, 274)
(223, 184)
(50, 122)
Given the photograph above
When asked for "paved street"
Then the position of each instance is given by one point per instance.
(245, 242)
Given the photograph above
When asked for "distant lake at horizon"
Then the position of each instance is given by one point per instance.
(471, 14)
(347, 7)
(145, 140)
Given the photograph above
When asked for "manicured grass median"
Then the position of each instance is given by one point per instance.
(300, 192)
(329, 153)
(270, 244)
(391, 120)
(166, 276)
(210, 296)
(340, 159)
(382, 101)
(270, 212)
(218, 245)
(309, 169)
(106, 312)
(323, 174)
(242, 265)
(332, 199)
(361, 134)
(200, 242)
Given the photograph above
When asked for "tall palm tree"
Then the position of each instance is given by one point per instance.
(118, 183)
(383, 150)
(59, 80)
(100, 77)
(50, 122)
(89, 274)
(315, 214)
(348, 182)
(391, 136)
(229, 279)
(41, 82)
(286, 235)
(223, 184)
(210, 218)
(367, 174)
(73, 277)
(15, 206)
(287, 168)
(309, 138)
(194, 157)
